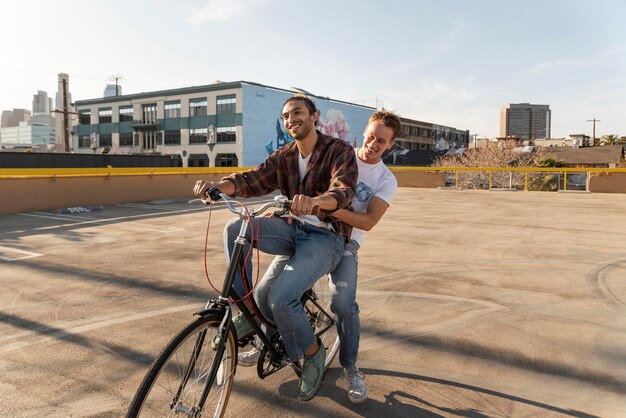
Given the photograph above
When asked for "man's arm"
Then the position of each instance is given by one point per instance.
(344, 174)
(225, 186)
(364, 220)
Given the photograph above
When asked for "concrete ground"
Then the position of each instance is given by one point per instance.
(473, 304)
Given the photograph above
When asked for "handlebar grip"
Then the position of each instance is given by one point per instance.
(213, 193)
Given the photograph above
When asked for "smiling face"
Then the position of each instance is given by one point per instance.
(377, 139)
(298, 120)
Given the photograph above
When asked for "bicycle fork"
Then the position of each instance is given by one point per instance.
(222, 332)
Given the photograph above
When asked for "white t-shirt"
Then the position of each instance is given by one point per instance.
(374, 180)
(303, 167)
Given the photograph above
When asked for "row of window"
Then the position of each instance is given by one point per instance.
(431, 133)
(197, 107)
(221, 160)
(196, 136)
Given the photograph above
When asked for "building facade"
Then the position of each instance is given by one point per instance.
(525, 121)
(417, 135)
(27, 135)
(216, 125)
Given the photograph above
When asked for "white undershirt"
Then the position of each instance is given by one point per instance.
(303, 167)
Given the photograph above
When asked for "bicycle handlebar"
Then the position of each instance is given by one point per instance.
(280, 202)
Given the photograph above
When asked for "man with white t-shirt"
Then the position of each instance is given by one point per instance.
(376, 188)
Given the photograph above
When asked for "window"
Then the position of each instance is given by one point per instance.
(198, 136)
(415, 130)
(425, 132)
(176, 160)
(172, 137)
(126, 140)
(225, 135)
(149, 113)
(197, 107)
(105, 115)
(84, 141)
(226, 104)
(105, 140)
(84, 117)
(407, 130)
(226, 160)
(126, 113)
(172, 110)
(198, 160)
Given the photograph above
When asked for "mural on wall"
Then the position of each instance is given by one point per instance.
(264, 131)
(333, 124)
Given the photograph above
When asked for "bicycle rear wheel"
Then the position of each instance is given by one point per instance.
(323, 319)
(177, 378)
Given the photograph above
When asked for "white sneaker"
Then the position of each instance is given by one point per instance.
(248, 358)
(357, 390)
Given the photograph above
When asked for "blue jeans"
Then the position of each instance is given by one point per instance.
(314, 252)
(342, 288)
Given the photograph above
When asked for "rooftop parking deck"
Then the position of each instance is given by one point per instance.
(473, 303)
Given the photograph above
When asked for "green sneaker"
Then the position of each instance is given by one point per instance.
(242, 327)
(312, 374)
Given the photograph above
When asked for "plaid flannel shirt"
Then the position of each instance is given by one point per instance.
(332, 171)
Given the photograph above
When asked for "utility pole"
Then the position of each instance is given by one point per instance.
(115, 78)
(594, 120)
(65, 112)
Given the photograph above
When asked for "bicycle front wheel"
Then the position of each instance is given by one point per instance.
(175, 384)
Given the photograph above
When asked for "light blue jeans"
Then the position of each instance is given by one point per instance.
(342, 286)
(313, 253)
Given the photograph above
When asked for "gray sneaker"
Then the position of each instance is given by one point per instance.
(357, 390)
(248, 358)
(242, 327)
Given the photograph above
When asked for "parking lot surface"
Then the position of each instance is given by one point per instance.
(473, 304)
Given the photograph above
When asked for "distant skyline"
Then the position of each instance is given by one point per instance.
(449, 62)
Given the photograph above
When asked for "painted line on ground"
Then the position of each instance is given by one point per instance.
(79, 329)
(25, 254)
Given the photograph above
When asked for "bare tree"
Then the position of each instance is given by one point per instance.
(504, 154)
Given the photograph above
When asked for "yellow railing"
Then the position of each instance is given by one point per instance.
(516, 178)
(486, 178)
(110, 171)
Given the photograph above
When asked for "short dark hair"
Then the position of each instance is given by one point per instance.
(388, 119)
(310, 104)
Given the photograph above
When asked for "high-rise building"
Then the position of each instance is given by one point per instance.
(525, 121)
(42, 105)
(12, 118)
(112, 90)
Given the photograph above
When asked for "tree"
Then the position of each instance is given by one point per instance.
(612, 139)
(505, 154)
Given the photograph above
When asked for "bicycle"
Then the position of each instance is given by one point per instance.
(194, 373)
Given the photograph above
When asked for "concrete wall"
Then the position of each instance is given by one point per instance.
(608, 183)
(49, 193)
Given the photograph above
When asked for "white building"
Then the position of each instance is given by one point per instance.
(220, 124)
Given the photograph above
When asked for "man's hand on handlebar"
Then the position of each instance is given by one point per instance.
(305, 205)
(202, 187)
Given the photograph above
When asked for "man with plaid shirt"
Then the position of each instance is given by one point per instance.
(318, 173)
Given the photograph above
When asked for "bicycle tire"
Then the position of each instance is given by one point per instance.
(157, 393)
(322, 319)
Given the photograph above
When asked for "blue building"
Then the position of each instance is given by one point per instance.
(216, 125)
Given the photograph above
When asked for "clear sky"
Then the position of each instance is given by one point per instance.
(451, 62)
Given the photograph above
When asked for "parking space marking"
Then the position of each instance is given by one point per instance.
(4, 251)
(90, 326)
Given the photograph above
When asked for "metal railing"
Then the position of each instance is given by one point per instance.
(516, 178)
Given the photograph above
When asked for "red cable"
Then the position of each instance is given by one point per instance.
(252, 240)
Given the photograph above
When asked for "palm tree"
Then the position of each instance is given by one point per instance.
(612, 139)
